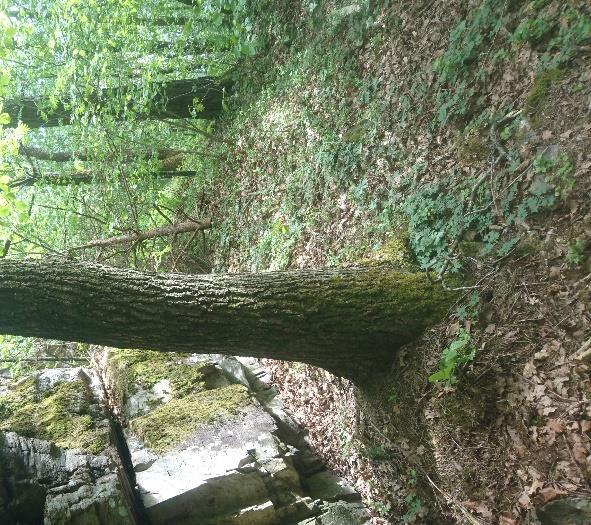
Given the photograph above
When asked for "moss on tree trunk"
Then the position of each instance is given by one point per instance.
(348, 321)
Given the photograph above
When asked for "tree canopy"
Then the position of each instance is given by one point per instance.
(106, 109)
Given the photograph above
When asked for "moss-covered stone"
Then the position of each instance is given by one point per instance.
(472, 148)
(145, 368)
(60, 415)
(172, 423)
(395, 251)
(540, 90)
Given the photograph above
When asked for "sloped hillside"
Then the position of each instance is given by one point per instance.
(452, 136)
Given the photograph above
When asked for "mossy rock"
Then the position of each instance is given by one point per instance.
(395, 251)
(472, 148)
(144, 368)
(60, 414)
(540, 91)
(171, 424)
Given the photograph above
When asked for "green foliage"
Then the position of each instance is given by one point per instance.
(375, 452)
(576, 252)
(275, 246)
(457, 69)
(436, 217)
(558, 172)
(413, 506)
(381, 508)
(532, 30)
(470, 309)
(573, 33)
(412, 500)
(458, 353)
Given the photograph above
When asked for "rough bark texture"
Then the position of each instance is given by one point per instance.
(349, 321)
(175, 100)
(68, 156)
(175, 229)
(83, 177)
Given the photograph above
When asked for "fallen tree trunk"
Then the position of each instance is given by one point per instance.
(350, 321)
(175, 229)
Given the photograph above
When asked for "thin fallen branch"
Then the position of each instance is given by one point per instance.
(184, 227)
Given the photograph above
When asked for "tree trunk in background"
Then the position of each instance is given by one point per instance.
(83, 177)
(175, 229)
(175, 100)
(349, 321)
(69, 156)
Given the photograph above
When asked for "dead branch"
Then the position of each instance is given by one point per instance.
(184, 227)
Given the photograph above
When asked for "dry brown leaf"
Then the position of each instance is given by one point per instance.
(480, 508)
(555, 425)
(507, 519)
(580, 453)
(525, 501)
(529, 370)
(549, 493)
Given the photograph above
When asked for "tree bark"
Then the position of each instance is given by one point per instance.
(175, 229)
(349, 321)
(69, 156)
(174, 100)
(82, 177)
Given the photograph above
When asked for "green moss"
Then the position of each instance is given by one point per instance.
(472, 148)
(397, 252)
(471, 248)
(170, 424)
(146, 368)
(422, 302)
(540, 90)
(60, 415)
(394, 251)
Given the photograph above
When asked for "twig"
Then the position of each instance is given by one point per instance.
(5, 249)
(161, 213)
(584, 280)
(80, 214)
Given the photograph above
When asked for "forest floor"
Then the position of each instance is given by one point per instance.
(460, 130)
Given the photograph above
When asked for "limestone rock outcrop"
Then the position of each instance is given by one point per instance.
(49, 480)
(160, 439)
(246, 464)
